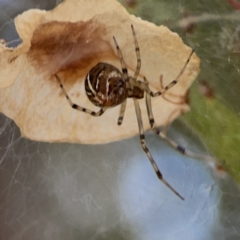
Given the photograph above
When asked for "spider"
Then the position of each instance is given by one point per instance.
(107, 87)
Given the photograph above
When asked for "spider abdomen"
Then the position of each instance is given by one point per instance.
(105, 86)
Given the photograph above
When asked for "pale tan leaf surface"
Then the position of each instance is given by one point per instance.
(69, 41)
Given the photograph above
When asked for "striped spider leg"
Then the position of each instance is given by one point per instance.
(124, 69)
(77, 107)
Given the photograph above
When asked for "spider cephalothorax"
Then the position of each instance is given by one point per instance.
(106, 87)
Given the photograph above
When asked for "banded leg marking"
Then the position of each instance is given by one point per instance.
(124, 68)
(183, 150)
(122, 111)
(137, 50)
(149, 107)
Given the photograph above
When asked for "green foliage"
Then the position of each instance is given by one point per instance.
(218, 126)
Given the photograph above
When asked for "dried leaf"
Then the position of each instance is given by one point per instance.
(69, 41)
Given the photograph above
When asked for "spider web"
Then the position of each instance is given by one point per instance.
(71, 191)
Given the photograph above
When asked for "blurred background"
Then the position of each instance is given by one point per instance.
(72, 191)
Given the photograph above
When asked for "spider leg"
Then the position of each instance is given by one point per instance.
(125, 72)
(170, 85)
(163, 135)
(124, 68)
(137, 50)
(183, 150)
(145, 149)
(149, 107)
(122, 111)
(75, 106)
(169, 100)
(179, 148)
